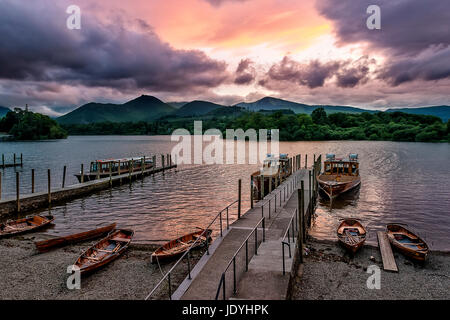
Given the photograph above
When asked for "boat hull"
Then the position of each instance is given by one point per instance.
(95, 258)
(173, 249)
(24, 225)
(94, 176)
(417, 250)
(358, 232)
(333, 189)
(47, 245)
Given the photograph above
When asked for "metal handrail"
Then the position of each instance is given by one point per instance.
(292, 183)
(294, 227)
(233, 259)
(167, 275)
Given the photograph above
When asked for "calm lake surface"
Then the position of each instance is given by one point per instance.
(401, 182)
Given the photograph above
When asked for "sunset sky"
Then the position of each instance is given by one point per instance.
(224, 51)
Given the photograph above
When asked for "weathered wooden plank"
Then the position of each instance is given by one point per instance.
(386, 252)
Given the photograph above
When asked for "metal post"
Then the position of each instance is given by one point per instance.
(239, 197)
(234, 275)
(251, 192)
(220, 220)
(189, 265)
(228, 221)
(300, 228)
(21, 160)
(3, 160)
(17, 192)
(262, 187)
(64, 176)
(246, 255)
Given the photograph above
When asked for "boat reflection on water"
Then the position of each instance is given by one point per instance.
(349, 198)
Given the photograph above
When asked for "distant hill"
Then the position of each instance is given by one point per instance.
(197, 108)
(4, 111)
(177, 105)
(442, 112)
(144, 108)
(226, 111)
(270, 103)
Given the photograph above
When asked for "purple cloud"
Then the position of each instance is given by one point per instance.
(36, 46)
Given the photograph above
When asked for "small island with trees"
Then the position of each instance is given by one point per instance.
(26, 125)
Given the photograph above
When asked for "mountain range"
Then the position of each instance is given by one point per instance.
(144, 108)
(148, 108)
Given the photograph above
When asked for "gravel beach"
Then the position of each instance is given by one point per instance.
(329, 273)
(26, 274)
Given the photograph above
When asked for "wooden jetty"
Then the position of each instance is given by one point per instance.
(386, 252)
(40, 200)
(17, 161)
(247, 260)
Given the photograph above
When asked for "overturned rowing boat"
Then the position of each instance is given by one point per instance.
(24, 225)
(47, 245)
(104, 251)
(177, 247)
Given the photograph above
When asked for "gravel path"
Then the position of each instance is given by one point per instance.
(329, 273)
(26, 274)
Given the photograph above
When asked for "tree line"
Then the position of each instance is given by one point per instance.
(382, 126)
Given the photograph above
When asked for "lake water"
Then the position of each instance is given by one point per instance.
(401, 182)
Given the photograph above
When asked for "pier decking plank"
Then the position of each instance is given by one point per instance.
(386, 252)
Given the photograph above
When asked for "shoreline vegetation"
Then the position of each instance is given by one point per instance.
(319, 126)
(26, 125)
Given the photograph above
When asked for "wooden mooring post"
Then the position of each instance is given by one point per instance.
(82, 173)
(32, 180)
(49, 187)
(3, 161)
(0, 185)
(306, 161)
(64, 176)
(162, 162)
(17, 192)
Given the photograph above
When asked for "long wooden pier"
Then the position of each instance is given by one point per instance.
(41, 200)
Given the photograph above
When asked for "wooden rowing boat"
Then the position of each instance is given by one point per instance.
(46, 245)
(351, 234)
(104, 251)
(177, 247)
(407, 242)
(16, 227)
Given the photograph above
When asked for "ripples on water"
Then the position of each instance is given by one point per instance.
(401, 182)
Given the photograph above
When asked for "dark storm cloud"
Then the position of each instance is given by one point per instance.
(37, 46)
(414, 35)
(245, 72)
(314, 74)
